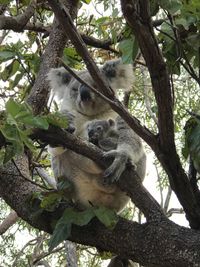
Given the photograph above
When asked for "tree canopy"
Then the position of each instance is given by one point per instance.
(162, 41)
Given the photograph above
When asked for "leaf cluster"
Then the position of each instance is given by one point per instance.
(17, 123)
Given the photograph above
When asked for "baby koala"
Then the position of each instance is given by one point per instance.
(103, 133)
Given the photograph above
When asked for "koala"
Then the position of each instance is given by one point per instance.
(102, 133)
(93, 185)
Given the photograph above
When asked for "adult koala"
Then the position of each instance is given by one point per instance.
(91, 184)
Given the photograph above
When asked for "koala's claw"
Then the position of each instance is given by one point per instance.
(71, 128)
(115, 170)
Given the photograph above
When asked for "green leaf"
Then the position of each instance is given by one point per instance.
(15, 67)
(9, 153)
(10, 70)
(63, 226)
(23, 113)
(171, 5)
(107, 216)
(10, 132)
(13, 108)
(61, 233)
(50, 201)
(6, 55)
(5, 1)
(129, 49)
(86, 1)
(16, 79)
(70, 216)
(192, 140)
(26, 140)
(193, 40)
(38, 122)
(57, 119)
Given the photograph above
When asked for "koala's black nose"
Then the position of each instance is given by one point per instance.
(90, 133)
(85, 93)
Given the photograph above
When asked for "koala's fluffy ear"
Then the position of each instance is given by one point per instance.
(59, 78)
(119, 75)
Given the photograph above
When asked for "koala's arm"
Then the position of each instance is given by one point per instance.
(108, 143)
(129, 148)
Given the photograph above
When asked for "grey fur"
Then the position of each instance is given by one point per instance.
(103, 133)
(92, 185)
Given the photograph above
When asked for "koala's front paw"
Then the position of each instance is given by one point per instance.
(71, 128)
(113, 173)
(70, 119)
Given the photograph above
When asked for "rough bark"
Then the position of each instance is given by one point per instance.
(17, 23)
(178, 246)
(138, 17)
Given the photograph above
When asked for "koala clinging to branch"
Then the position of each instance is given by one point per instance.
(102, 133)
(92, 185)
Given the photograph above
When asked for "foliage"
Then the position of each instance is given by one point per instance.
(17, 123)
(20, 56)
(192, 141)
(71, 216)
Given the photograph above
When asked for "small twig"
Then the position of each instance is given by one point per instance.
(167, 200)
(174, 211)
(46, 254)
(85, 83)
(21, 252)
(8, 222)
(27, 179)
(27, 71)
(160, 187)
(46, 177)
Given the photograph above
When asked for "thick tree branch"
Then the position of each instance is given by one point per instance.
(138, 17)
(17, 23)
(178, 246)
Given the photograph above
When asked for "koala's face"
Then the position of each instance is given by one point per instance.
(98, 130)
(75, 96)
(86, 101)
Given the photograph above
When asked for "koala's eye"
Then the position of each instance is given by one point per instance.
(99, 128)
(74, 89)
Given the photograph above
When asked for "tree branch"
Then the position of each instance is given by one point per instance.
(17, 23)
(8, 222)
(178, 246)
(138, 17)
